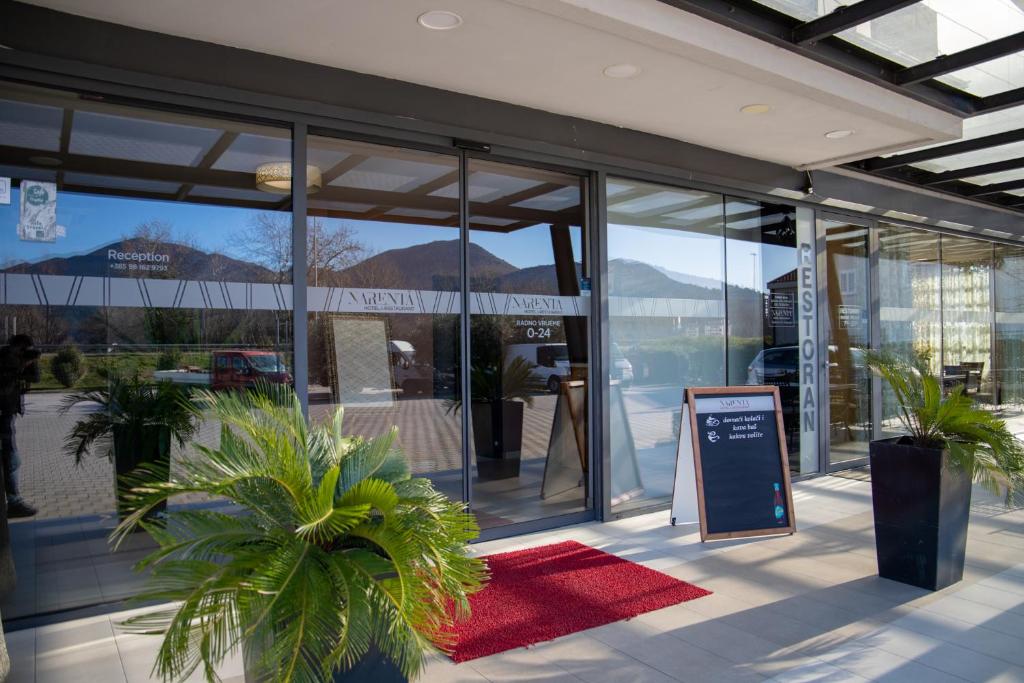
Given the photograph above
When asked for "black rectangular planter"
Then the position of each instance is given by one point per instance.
(497, 438)
(922, 506)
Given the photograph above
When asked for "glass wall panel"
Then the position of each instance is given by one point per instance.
(967, 316)
(133, 249)
(529, 343)
(763, 331)
(848, 335)
(666, 326)
(910, 315)
(1008, 373)
(382, 252)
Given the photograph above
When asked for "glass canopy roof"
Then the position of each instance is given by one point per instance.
(966, 56)
(925, 30)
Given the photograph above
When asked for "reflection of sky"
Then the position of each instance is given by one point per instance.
(700, 255)
(92, 221)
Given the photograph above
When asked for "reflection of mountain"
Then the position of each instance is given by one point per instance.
(162, 260)
(434, 265)
(685, 278)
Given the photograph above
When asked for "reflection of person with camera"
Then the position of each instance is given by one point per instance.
(19, 368)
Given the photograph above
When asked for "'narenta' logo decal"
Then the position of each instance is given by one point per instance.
(733, 403)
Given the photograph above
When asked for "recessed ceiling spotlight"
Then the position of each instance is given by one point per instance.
(621, 70)
(756, 108)
(838, 134)
(440, 20)
(45, 161)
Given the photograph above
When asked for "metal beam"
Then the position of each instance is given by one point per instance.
(944, 64)
(999, 101)
(777, 28)
(971, 171)
(996, 188)
(844, 17)
(972, 145)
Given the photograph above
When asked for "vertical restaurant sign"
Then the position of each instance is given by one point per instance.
(38, 216)
(806, 289)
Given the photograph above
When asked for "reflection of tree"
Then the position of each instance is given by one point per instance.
(330, 245)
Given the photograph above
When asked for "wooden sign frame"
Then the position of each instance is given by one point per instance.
(696, 392)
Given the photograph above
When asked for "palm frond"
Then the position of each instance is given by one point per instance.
(331, 547)
(978, 442)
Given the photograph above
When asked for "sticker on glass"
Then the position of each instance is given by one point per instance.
(38, 212)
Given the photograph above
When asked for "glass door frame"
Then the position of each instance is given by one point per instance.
(824, 412)
(594, 228)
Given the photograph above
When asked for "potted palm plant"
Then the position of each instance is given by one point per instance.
(332, 562)
(921, 481)
(500, 391)
(138, 419)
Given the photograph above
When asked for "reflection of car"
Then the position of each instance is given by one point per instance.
(622, 369)
(776, 367)
(233, 369)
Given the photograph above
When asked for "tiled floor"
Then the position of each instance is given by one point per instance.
(802, 608)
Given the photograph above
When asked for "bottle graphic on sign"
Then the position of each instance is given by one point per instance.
(780, 509)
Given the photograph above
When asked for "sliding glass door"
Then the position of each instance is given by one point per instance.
(529, 345)
(847, 338)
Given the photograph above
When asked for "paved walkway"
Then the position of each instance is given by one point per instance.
(802, 608)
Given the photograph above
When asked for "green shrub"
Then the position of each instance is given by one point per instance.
(169, 359)
(67, 366)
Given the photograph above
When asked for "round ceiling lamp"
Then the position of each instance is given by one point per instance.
(621, 70)
(439, 20)
(756, 108)
(838, 134)
(276, 177)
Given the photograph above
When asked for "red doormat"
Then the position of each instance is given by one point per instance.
(543, 593)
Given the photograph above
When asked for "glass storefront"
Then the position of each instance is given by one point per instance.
(446, 294)
(128, 259)
(703, 291)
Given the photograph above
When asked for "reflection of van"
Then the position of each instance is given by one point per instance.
(411, 377)
(552, 363)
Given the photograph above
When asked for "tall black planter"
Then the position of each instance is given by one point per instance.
(150, 446)
(922, 506)
(498, 438)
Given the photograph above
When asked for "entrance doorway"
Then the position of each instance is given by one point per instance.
(847, 339)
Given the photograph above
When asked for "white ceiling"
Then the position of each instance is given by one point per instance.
(549, 54)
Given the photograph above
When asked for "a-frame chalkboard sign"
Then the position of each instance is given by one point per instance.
(740, 461)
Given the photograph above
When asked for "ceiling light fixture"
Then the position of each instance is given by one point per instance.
(838, 134)
(440, 20)
(756, 108)
(621, 70)
(276, 177)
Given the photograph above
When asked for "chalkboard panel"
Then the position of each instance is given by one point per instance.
(739, 454)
